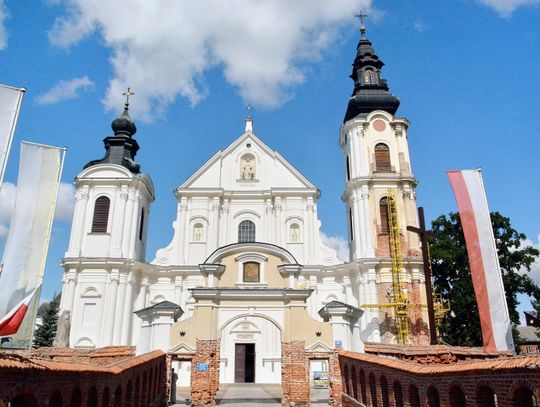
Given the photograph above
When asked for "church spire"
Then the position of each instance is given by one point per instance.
(370, 89)
(249, 119)
(121, 148)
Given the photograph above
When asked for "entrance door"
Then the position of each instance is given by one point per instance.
(244, 363)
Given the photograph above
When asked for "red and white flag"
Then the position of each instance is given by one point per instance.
(485, 270)
(10, 324)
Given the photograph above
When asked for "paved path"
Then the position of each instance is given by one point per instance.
(252, 395)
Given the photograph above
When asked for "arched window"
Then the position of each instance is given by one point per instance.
(384, 392)
(347, 383)
(354, 384)
(141, 226)
(485, 397)
(251, 272)
(414, 396)
(433, 397)
(294, 233)
(92, 398)
(367, 77)
(383, 211)
(382, 158)
(24, 400)
(56, 399)
(457, 397)
(524, 397)
(247, 167)
(118, 396)
(198, 230)
(363, 390)
(348, 165)
(76, 398)
(246, 231)
(101, 215)
(398, 395)
(106, 397)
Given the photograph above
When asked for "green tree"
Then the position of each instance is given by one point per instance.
(452, 275)
(44, 335)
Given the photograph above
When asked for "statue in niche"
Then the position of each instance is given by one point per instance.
(247, 168)
(198, 233)
(295, 233)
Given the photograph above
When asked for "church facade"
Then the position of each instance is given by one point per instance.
(246, 279)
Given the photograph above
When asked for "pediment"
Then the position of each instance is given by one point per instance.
(226, 169)
(181, 349)
(319, 347)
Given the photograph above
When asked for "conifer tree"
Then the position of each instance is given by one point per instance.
(44, 335)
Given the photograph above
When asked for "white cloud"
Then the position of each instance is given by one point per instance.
(338, 243)
(64, 90)
(3, 32)
(506, 7)
(162, 49)
(64, 205)
(535, 268)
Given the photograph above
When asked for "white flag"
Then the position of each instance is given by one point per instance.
(10, 105)
(28, 238)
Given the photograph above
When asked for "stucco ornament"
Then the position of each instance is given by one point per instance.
(247, 168)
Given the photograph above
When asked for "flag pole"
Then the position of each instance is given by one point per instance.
(36, 305)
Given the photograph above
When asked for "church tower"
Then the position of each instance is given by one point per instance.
(378, 169)
(107, 242)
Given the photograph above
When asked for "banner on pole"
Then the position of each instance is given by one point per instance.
(27, 243)
(10, 105)
(486, 274)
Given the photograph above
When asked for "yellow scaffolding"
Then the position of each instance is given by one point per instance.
(399, 297)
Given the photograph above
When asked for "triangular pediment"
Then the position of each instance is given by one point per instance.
(319, 347)
(182, 349)
(247, 164)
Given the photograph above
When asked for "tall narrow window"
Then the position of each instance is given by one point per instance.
(101, 215)
(382, 158)
(383, 209)
(246, 231)
(348, 168)
(141, 226)
(351, 224)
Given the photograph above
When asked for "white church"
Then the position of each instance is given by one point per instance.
(245, 265)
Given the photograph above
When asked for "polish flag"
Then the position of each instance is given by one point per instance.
(484, 262)
(10, 324)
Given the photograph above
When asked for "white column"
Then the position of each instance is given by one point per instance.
(268, 224)
(177, 289)
(311, 230)
(118, 222)
(363, 154)
(134, 221)
(128, 234)
(119, 310)
(140, 303)
(214, 239)
(127, 316)
(368, 223)
(181, 230)
(112, 293)
(349, 299)
(357, 221)
(374, 321)
(224, 223)
(79, 220)
(278, 206)
(71, 282)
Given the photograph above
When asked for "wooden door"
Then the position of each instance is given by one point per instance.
(244, 363)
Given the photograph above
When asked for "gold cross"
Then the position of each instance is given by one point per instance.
(127, 94)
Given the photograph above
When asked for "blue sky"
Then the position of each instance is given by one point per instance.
(466, 72)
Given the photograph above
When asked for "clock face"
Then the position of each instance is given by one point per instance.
(379, 125)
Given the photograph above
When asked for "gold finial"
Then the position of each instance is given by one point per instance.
(362, 17)
(127, 94)
(249, 108)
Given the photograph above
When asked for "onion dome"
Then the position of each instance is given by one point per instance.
(370, 89)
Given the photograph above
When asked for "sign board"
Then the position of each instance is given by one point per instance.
(321, 379)
(201, 367)
(338, 344)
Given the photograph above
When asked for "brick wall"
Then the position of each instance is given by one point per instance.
(205, 373)
(129, 382)
(390, 382)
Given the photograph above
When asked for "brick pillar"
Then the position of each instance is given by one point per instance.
(205, 383)
(295, 374)
(336, 384)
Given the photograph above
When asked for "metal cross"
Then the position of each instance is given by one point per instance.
(127, 94)
(249, 108)
(361, 16)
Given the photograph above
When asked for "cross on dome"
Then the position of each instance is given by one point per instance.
(127, 94)
(362, 17)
